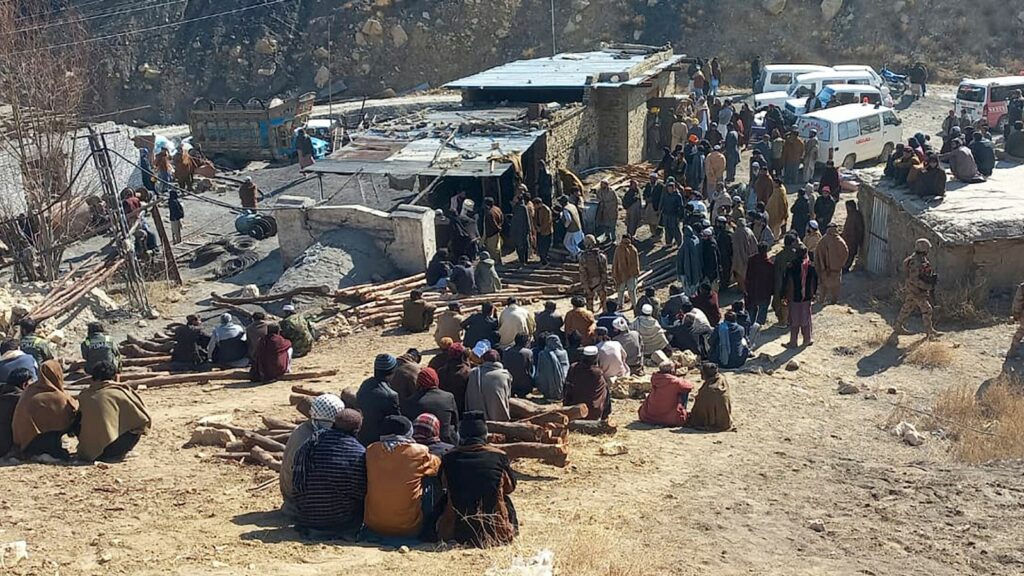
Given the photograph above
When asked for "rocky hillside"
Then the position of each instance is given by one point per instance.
(369, 46)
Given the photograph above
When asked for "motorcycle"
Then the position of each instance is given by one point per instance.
(897, 83)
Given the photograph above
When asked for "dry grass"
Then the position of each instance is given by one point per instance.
(931, 355)
(161, 293)
(964, 302)
(592, 551)
(877, 336)
(985, 429)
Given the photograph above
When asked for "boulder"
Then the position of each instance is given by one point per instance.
(249, 291)
(372, 28)
(268, 69)
(206, 436)
(398, 36)
(792, 366)
(323, 76)
(321, 53)
(266, 46)
(774, 6)
(845, 388)
(829, 8)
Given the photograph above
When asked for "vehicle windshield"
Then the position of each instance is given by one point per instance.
(971, 93)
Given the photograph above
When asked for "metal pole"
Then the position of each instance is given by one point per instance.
(553, 49)
(330, 77)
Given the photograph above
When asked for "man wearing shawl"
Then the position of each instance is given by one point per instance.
(666, 404)
(273, 356)
(430, 399)
(322, 412)
(395, 468)
(44, 414)
(552, 368)
(376, 399)
(801, 285)
(329, 474)
(652, 335)
(778, 208)
(586, 384)
(853, 232)
(479, 481)
(454, 374)
(744, 245)
(830, 257)
(10, 396)
(728, 346)
(114, 417)
(227, 345)
(489, 388)
(712, 410)
(781, 262)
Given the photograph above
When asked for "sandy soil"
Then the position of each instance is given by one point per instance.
(677, 503)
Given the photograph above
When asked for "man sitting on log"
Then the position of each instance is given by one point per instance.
(32, 344)
(479, 478)
(190, 345)
(395, 468)
(99, 346)
(322, 412)
(586, 384)
(227, 345)
(329, 479)
(417, 315)
(273, 357)
(298, 330)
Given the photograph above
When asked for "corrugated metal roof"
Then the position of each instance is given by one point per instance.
(562, 71)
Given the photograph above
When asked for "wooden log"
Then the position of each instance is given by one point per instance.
(170, 263)
(300, 389)
(301, 403)
(280, 437)
(522, 409)
(265, 458)
(593, 427)
(262, 441)
(126, 362)
(236, 430)
(495, 438)
(236, 446)
(549, 419)
(517, 431)
(133, 351)
(166, 346)
(278, 423)
(552, 454)
(311, 290)
(238, 375)
(81, 288)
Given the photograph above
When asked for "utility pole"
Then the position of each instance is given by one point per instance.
(553, 49)
(136, 287)
(330, 73)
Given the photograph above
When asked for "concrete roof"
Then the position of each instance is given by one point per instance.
(610, 67)
(992, 210)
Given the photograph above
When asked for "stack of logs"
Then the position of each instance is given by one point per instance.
(263, 446)
(537, 432)
(78, 282)
(659, 271)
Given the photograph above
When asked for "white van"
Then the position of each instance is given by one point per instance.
(876, 79)
(842, 93)
(986, 98)
(810, 84)
(775, 77)
(853, 133)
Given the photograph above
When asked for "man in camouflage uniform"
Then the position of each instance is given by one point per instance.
(920, 279)
(593, 272)
(1018, 316)
(296, 328)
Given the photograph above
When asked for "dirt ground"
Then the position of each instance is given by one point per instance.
(678, 502)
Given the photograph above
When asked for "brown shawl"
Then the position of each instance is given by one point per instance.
(109, 409)
(712, 410)
(44, 406)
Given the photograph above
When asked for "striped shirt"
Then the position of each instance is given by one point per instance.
(330, 482)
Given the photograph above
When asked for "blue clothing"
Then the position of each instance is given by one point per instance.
(21, 361)
(689, 259)
(330, 481)
(728, 349)
(606, 320)
(552, 369)
(694, 168)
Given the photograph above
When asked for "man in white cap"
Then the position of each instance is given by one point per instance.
(813, 236)
(227, 345)
(322, 412)
(652, 335)
(611, 357)
(570, 216)
(630, 342)
(586, 384)
(247, 193)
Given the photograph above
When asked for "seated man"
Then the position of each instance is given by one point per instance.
(706, 300)
(984, 154)
(586, 384)
(273, 357)
(962, 164)
(430, 399)
(113, 417)
(43, 415)
(12, 358)
(652, 335)
(518, 360)
(480, 480)
(227, 345)
(449, 323)
(690, 331)
(298, 330)
(485, 276)
(190, 344)
(611, 312)
(650, 298)
(1015, 140)
(438, 269)
(417, 315)
(548, 321)
(10, 396)
(395, 468)
(932, 181)
(322, 412)
(728, 347)
(611, 357)
(580, 321)
(630, 342)
(666, 404)
(712, 410)
(98, 345)
(426, 430)
(329, 479)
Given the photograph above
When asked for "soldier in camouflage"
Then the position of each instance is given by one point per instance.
(920, 280)
(593, 272)
(296, 328)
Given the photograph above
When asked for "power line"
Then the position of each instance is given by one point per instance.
(153, 28)
(94, 17)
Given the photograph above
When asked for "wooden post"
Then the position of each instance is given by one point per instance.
(169, 262)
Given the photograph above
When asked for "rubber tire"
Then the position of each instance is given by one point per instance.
(1001, 124)
(850, 161)
(886, 152)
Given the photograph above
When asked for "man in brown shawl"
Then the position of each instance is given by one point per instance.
(44, 414)
(853, 232)
(712, 410)
(830, 257)
(114, 417)
(744, 245)
(586, 384)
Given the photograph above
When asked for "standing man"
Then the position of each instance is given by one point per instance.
(633, 203)
(853, 232)
(782, 261)
(545, 185)
(714, 169)
(792, 154)
(248, 193)
(543, 228)
(593, 272)
(732, 154)
(653, 192)
(520, 229)
(830, 259)
(626, 270)
(177, 215)
(607, 210)
(744, 245)
(919, 281)
(1014, 112)
(919, 80)
(755, 73)
(810, 158)
(300, 331)
(716, 75)
(1018, 317)
(494, 219)
(573, 227)
(671, 211)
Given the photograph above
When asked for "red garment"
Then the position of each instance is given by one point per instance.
(760, 280)
(271, 361)
(708, 304)
(662, 405)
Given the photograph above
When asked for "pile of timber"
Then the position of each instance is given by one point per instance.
(659, 270)
(78, 282)
(263, 446)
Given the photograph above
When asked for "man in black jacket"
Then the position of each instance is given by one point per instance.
(984, 154)
(480, 326)
(430, 399)
(376, 399)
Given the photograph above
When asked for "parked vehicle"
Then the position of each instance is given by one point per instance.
(238, 132)
(853, 133)
(876, 80)
(985, 98)
(810, 84)
(776, 77)
(841, 93)
(897, 83)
